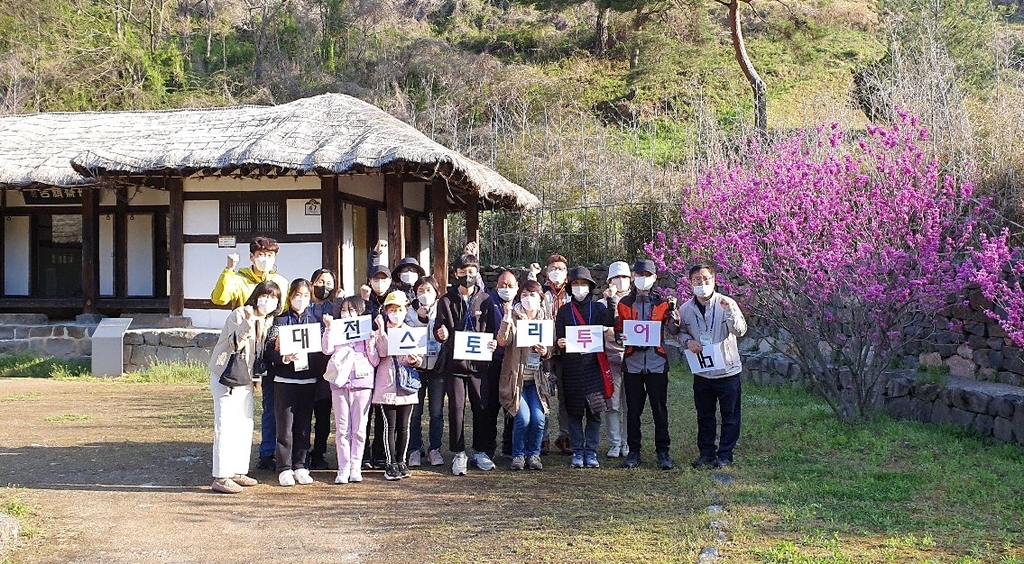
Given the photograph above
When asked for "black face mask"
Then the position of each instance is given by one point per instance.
(466, 281)
(322, 292)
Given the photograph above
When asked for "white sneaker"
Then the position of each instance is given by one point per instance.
(614, 452)
(302, 477)
(414, 458)
(435, 458)
(342, 477)
(286, 478)
(625, 450)
(482, 461)
(355, 475)
(459, 464)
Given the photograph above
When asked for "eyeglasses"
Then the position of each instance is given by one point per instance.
(702, 280)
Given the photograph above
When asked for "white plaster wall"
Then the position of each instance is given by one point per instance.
(148, 197)
(207, 318)
(16, 254)
(414, 196)
(298, 221)
(382, 233)
(370, 187)
(348, 276)
(106, 254)
(140, 255)
(211, 184)
(202, 217)
(424, 257)
(15, 199)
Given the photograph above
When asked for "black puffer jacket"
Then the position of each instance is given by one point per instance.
(452, 314)
(581, 374)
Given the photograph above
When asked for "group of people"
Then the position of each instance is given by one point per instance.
(378, 398)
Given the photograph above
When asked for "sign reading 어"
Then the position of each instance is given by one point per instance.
(407, 340)
(299, 338)
(472, 345)
(641, 333)
(584, 338)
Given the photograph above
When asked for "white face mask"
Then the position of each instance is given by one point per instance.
(266, 305)
(580, 292)
(300, 304)
(506, 293)
(530, 303)
(644, 283)
(396, 317)
(557, 276)
(380, 285)
(704, 290)
(426, 299)
(620, 284)
(409, 277)
(264, 263)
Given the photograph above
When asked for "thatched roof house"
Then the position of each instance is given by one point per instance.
(326, 176)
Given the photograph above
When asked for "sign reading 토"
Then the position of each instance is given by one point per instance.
(472, 345)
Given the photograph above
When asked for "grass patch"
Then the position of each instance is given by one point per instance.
(67, 418)
(190, 372)
(21, 397)
(28, 365)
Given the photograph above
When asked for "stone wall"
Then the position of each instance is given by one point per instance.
(143, 347)
(61, 340)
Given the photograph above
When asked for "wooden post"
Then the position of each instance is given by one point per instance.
(3, 242)
(396, 227)
(473, 219)
(121, 243)
(176, 245)
(439, 241)
(90, 248)
(330, 228)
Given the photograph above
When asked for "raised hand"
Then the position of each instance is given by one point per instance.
(442, 333)
(232, 260)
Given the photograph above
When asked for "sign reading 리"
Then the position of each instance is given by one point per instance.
(472, 345)
(584, 339)
(530, 332)
(641, 333)
(407, 340)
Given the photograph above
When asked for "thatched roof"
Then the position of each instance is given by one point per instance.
(325, 135)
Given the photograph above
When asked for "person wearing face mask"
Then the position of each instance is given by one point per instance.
(619, 282)
(505, 292)
(556, 295)
(582, 380)
(645, 369)
(234, 288)
(245, 331)
(381, 284)
(712, 319)
(405, 275)
(324, 282)
(294, 389)
(464, 308)
(523, 388)
(423, 313)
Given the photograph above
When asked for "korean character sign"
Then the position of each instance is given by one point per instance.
(346, 330)
(584, 339)
(299, 340)
(711, 357)
(407, 340)
(531, 332)
(472, 345)
(641, 333)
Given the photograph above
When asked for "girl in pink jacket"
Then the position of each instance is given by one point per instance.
(351, 374)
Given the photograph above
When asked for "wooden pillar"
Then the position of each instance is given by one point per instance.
(439, 240)
(3, 242)
(330, 226)
(176, 245)
(472, 219)
(396, 227)
(90, 249)
(121, 244)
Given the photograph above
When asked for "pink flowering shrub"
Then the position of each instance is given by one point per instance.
(844, 245)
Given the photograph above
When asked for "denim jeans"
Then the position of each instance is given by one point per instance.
(528, 429)
(432, 392)
(584, 441)
(268, 430)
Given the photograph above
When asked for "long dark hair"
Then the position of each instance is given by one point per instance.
(265, 288)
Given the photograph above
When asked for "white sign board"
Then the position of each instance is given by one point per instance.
(531, 332)
(349, 330)
(641, 333)
(472, 345)
(584, 338)
(407, 340)
(299, 338)
(710, 358)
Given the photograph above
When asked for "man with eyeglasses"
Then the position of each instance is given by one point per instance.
(709, 320)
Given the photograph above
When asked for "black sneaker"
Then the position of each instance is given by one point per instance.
(318, 462)
(403, 469)
(720, 463)
(703, 462)
(392, 472)
(633, 460)
(665, 461)
(266, 463)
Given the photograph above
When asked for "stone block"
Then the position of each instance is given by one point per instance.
(1012, 360)
(948, 338)
(980, 358)
(983, 424)
(170, 354)
(910, 361)
(133, 338)
(940, 414)
(965, 351)
(974, 328)
(1002, 430)
(14, 345)
(961, 418)
(946, 351)
(142, 355)
(931, 359)
(23, 319)
(7, 332)
(178, 339)
(1018, 423)
(77, 331)
(976, 342)
(988, 375)
(995, 330)
(899, 387)
(60, 347)
(926, 393)
(40, 331)
(978, 301)
(920, 410)
(970, 400)
(899, 407)
(960, 367)
(1010, 378)
(995, 343)
(197, 354)
(1003, 406)
(89, 318)
(85, 347)
(151, 338)
(945, 396)
(8, 534)
(995, 359)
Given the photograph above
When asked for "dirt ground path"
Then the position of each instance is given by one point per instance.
(121, 473)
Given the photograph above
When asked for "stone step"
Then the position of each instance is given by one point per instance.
(157, 321)
(23, 319)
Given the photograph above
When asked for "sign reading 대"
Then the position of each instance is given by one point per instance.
(709, 358)
(531, 332)
(299, 338)
(345, 330)
(584, 339)
(407, 340)
(641, 333)
(472, 345)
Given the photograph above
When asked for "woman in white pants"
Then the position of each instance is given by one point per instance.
(245, 331)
